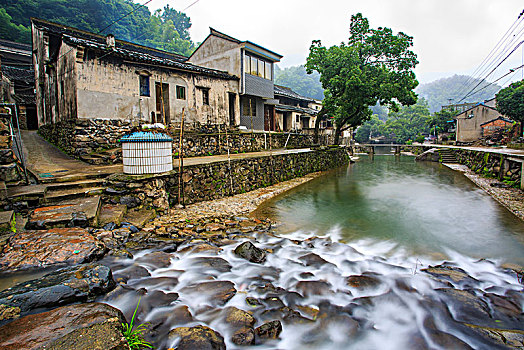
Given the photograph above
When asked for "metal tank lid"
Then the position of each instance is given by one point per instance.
(146, 136)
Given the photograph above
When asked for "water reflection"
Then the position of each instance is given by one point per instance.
(425, 208)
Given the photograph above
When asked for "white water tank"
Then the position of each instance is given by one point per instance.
(146, 152)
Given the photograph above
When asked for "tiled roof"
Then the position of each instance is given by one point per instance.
(26, 76)
(498, 118)
(134, 52)
(25, 99)
(287, 92)
(287, 108)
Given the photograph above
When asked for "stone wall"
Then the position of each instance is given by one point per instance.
(216, 180)
(491, 165)
(9, 170)
(88, 139)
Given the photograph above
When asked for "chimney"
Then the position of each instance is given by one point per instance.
(110, 41)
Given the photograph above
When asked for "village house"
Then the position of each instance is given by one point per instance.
(488, 128)
(81, 75)
(253, 64)
(293, 111)
(18, 81)
(469, 124)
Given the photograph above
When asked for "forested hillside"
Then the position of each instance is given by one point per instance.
(438, 92)
(165, 29)
(299, 81)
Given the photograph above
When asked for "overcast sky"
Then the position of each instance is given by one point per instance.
(450, 36)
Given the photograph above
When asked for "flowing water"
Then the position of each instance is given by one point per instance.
(378, 223)
(424, 208)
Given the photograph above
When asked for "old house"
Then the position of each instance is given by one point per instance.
(488, 128)
(81, 75)
(18, 81)
(293, 111)
(253, 64)
(469, 123)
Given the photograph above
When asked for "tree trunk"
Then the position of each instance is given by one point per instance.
(338, 132)
(320, 117)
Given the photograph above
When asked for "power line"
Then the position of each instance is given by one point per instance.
(194, 2)
(511, 71)
(498, 65)
(504, 44)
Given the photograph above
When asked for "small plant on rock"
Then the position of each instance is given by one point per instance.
(135, 337)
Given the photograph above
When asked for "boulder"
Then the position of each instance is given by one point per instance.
(363, 281)
(450, 273)
(313, 259)
(219, 292)
(93, 326)
(248, 251)
(269, 330)
(68, 285)
(80, 212)
(54, 247)
(155, 260)
(198, 337)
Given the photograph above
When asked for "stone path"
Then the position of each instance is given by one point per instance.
(499, 150)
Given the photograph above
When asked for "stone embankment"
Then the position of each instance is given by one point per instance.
(216, 180)
(96, 141)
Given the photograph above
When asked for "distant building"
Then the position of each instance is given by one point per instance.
(293, 111)
(494, 125)
(469, 123)
(253, 64)
(81, 75)
(18, 81)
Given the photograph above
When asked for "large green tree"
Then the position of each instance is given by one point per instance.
(510, 101)
(165, 29)
(374, 66)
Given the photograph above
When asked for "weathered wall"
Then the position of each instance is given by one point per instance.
(218, 53)
(9, 171)
(491, 165)
(121, 98)
(468, 129)
(216, 180)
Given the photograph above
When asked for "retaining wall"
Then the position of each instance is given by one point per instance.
(89, 139)
(220, 179)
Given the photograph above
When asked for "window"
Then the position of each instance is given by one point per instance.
(180, 92)
(267, 73)
(205, 96)
(249, 107)
(258, 67)
(144, 85)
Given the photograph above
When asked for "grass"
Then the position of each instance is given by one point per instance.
(135, 337)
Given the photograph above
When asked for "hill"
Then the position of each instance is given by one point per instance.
(439, 92)
(299, 81)
(165, 29)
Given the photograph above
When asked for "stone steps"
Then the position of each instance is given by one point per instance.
(71, 193)
(447, 156)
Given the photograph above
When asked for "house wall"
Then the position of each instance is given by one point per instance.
(258, 121)
(258, 86)
(469, 129)
(495, 125)
(121, 99)
(218, 53)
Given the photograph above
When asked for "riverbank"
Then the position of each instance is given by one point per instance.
(510, 197)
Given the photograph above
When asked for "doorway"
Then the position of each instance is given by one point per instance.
(162, 103)
(232, 102)
(269, 118)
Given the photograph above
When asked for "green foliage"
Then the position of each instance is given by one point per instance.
(439, 120)
(371, 128)
(375, 66)
(13, 224)
(166, 29)
(299, 81)
(510, 101)
(420, 138)
(135, 337)
(408, 123)
(11, 31)
(439, 92)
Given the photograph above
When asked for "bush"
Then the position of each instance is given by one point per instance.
(420, 138)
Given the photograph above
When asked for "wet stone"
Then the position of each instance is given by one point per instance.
(308, 288)
(466, 307)
(269, 330)
(199, 337)
(207, 263)
(238, 318)
(155, 260)
(313, 259)
(450, 273)
(244, 336)
(63, 286)
(81, 327)
(248, 251)
(219, 292)
(131, 272)
(363, 281)
(54, 247)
